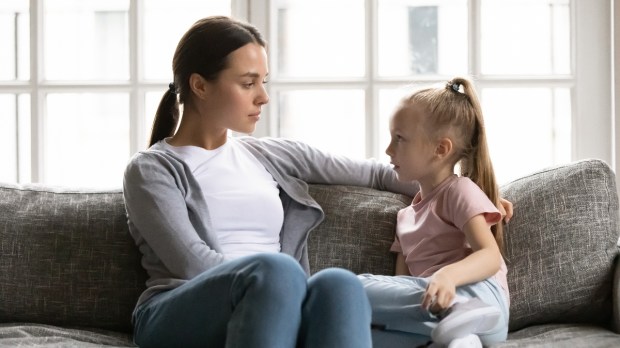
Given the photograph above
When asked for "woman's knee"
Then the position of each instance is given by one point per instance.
(277, 272)
(336, 282)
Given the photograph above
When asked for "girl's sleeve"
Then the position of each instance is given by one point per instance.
(159, 219)
(466, 200)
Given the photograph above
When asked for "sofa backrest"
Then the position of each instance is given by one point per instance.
(561, 245)
(66, 258)
(358, 229)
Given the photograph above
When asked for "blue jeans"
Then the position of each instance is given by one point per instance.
(263, 300)
(397, 311)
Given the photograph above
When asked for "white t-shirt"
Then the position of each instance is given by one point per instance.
(243, 198)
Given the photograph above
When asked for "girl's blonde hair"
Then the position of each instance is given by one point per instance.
(455, 110)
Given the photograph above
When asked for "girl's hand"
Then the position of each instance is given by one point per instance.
(439, 293)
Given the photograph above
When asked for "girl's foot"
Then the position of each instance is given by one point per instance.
(463, 319)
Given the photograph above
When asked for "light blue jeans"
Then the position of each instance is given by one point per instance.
(264, 300)
(400, 320)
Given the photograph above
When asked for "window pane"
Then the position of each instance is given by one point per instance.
(165, 22)
(8, 138)
(86, 40)
(336, 124)
(86, 139)
(14, 40)
(418, 39)
(321, 38)
(525, 37)
(527, 136)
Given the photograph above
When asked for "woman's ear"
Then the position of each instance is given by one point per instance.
(198, 85)
(443, 148)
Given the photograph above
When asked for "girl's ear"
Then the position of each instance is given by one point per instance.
(443, 148)
(198, 85)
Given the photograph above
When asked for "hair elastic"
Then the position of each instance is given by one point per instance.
(172, 88)
(456, 86)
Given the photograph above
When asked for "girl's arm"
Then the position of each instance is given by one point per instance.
(401, 266)
(484, 262)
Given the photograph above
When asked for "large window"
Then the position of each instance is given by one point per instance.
(340, 67)
(80, 80)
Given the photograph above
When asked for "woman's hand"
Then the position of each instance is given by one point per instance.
(505, 208)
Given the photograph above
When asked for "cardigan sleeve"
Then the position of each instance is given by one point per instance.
(163, 220)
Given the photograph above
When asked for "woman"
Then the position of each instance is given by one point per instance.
(222, 222)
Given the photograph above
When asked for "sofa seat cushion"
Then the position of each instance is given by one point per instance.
(561, 245)
(561, 335)
(46, 336)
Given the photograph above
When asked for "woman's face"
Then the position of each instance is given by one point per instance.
(234, 100)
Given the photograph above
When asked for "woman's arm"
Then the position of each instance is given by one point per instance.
(484, 262)
(315, 166)
(159, 217)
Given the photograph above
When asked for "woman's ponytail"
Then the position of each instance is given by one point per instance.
(166, 117)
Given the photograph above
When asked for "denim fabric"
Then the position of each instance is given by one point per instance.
(397, 311)
(262, 300)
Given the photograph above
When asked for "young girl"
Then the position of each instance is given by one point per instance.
(450, 279)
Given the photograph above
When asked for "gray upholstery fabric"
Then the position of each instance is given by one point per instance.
(45, 336)
(561, 336)
(66, 258)
(358, 229)
(561, 245)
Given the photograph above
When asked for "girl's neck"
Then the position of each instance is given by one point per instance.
(430, 182)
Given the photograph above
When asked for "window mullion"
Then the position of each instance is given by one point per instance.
(37, 108)
(372, 108)
(136, 98)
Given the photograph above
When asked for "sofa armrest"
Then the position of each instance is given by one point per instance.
(615, 297)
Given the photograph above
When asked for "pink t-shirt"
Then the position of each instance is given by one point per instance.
(430, 234)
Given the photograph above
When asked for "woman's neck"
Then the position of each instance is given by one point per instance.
(196, 131)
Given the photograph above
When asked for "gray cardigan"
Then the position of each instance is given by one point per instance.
(169, 218)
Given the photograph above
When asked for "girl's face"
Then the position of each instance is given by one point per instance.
(410, 150)
(234, 100)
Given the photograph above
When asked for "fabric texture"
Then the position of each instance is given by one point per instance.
(339, 242)
(561, 245)
(66, 258)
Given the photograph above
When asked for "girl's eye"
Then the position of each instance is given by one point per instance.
(248, 85)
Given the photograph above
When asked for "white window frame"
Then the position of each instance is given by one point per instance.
(595, 125)
(595, 53)
(137, 87)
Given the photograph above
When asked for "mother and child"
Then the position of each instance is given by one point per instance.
(222, 221)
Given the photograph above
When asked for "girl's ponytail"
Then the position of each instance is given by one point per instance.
(476, 161)
(166, 117)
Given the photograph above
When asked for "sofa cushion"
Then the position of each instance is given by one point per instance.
(66, 258)
(358, 229)
(561, 245)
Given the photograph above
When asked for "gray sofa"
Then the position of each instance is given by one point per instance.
(70, 274)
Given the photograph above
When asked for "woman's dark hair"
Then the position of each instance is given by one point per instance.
(204, 49)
